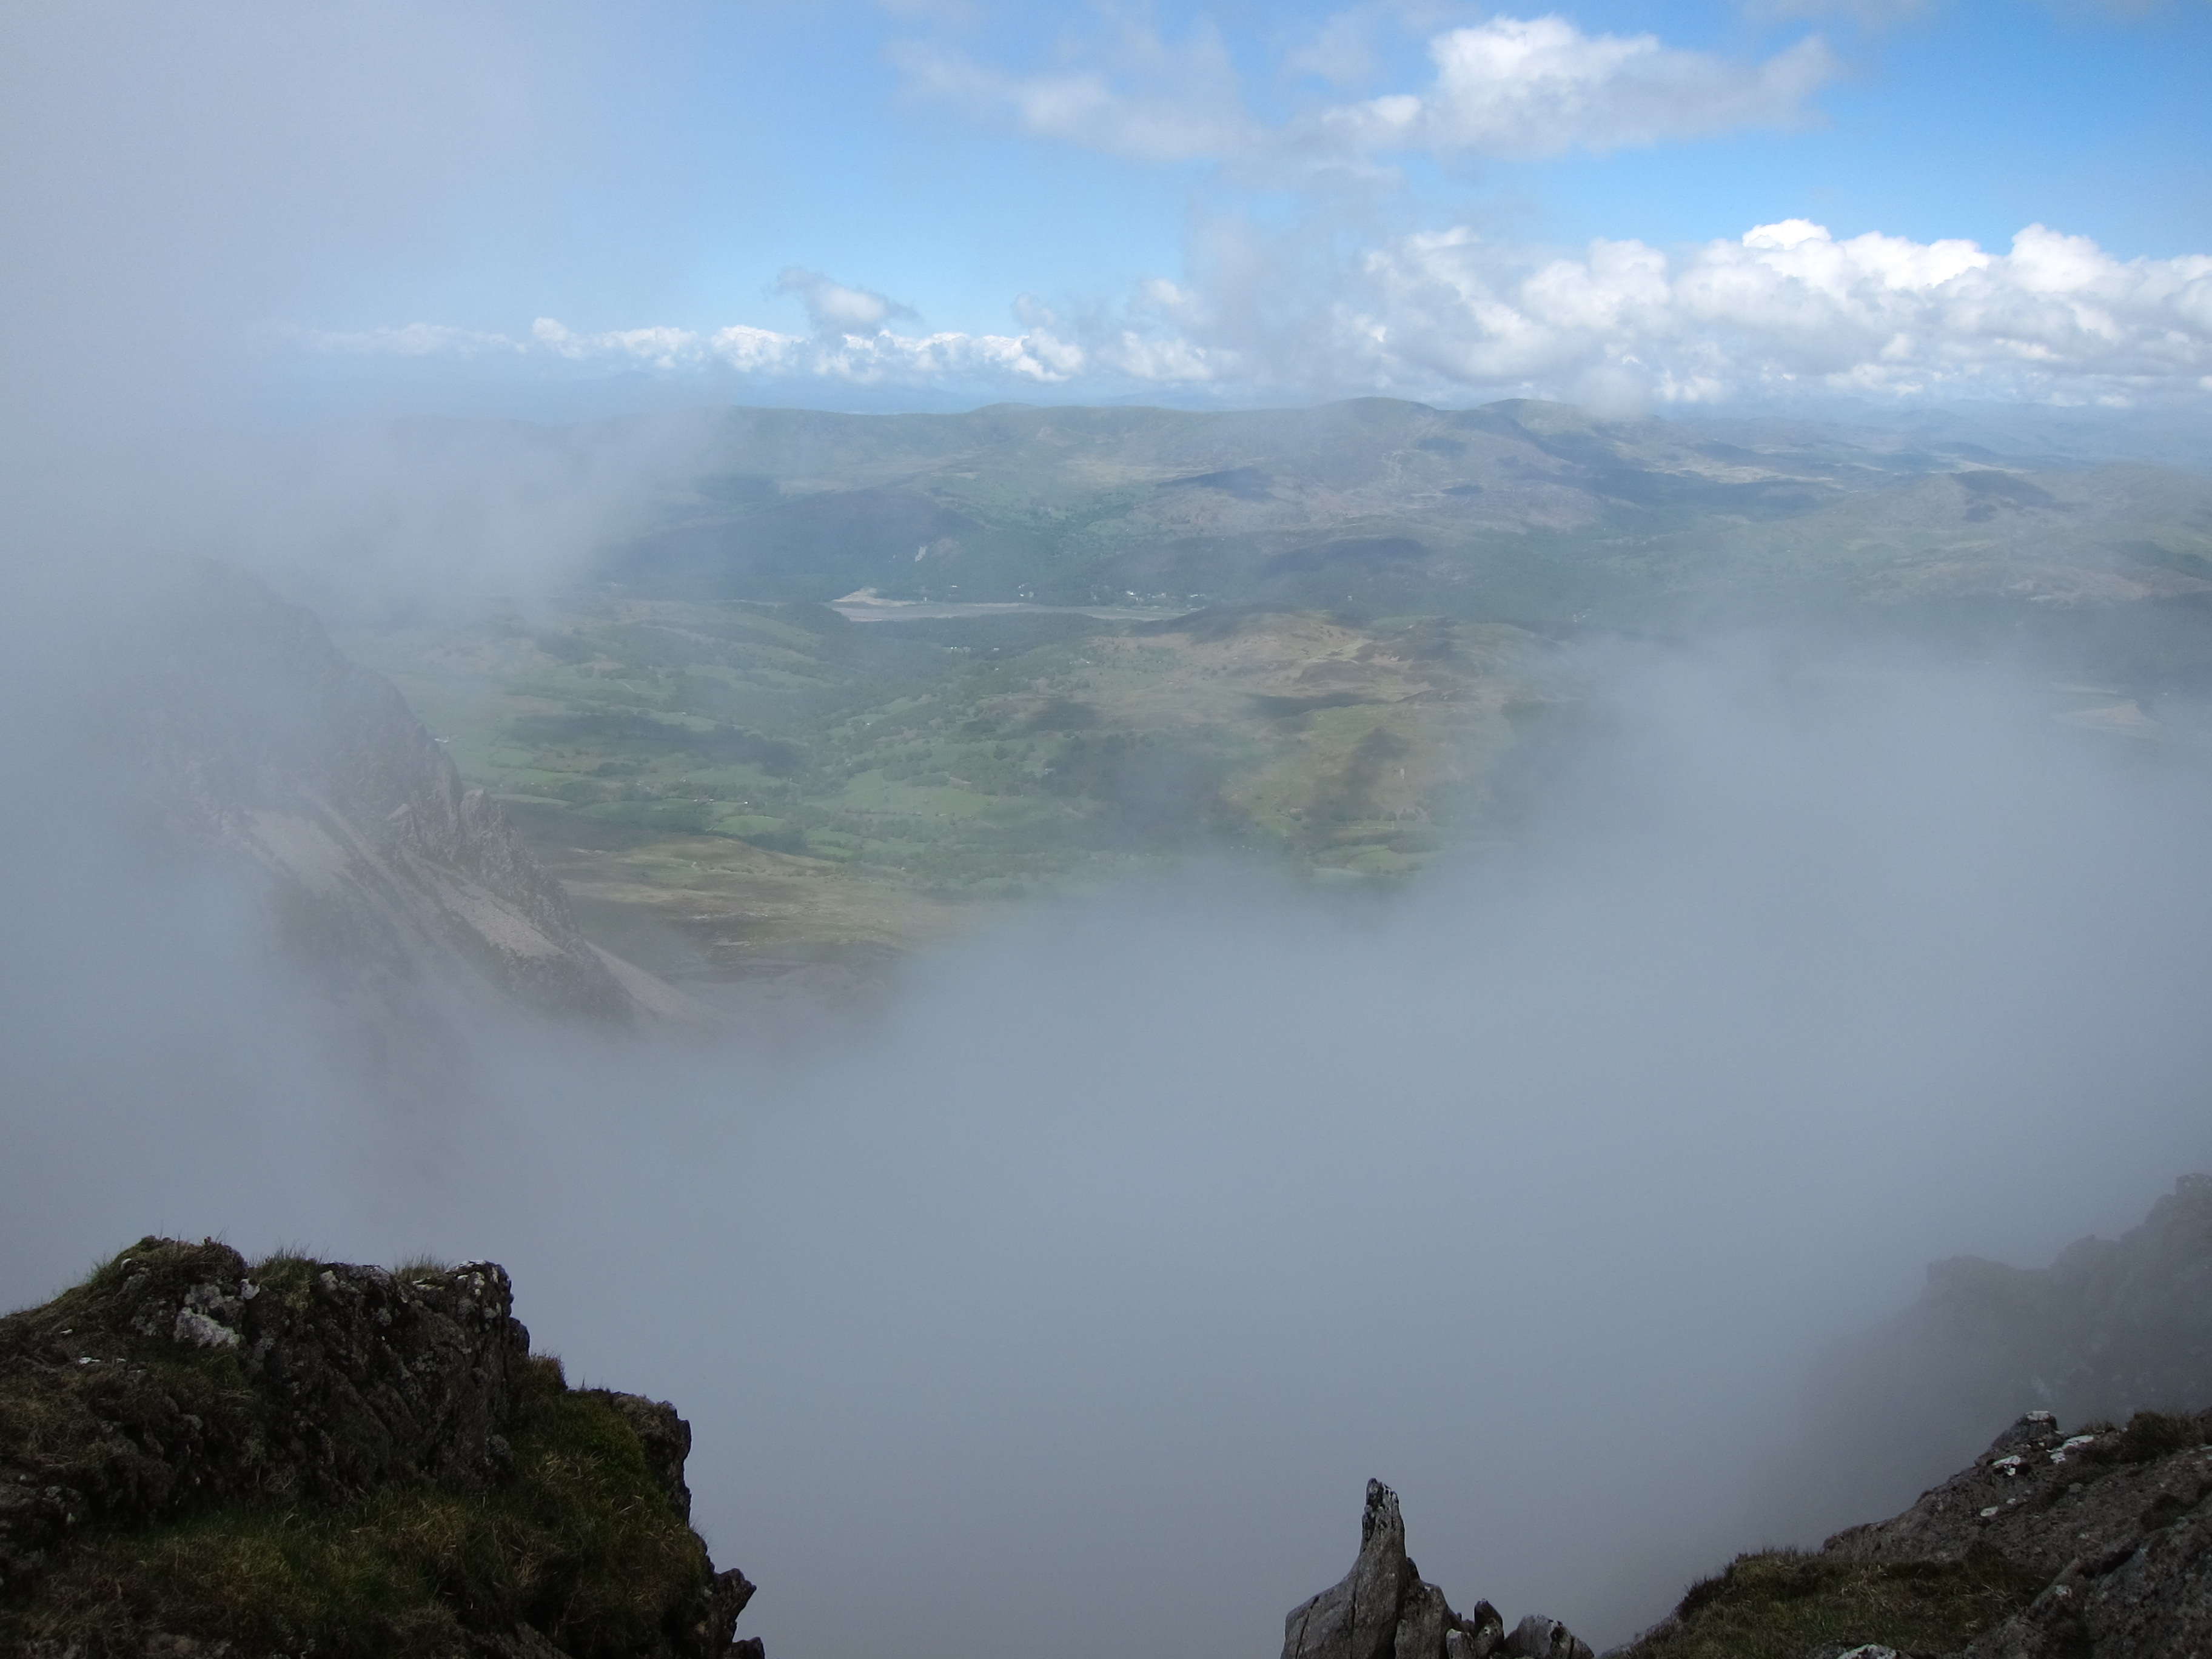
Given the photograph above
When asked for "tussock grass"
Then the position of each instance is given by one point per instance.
(2150, 1436)
(1779, 1604)
(578, 1541)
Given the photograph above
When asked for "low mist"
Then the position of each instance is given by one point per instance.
(1065, 1302)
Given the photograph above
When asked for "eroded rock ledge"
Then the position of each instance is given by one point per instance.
(199, 1455)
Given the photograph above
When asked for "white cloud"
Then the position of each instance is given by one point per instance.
(1526, 86)
(1788, 306)
(1149, 101)
(1037, 356)
(836, 309)
(1510, 86)
(1786, 309)
(1342, 50)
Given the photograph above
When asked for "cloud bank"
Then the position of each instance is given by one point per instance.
(1787, 310)
(1507, 87)
(1066, 1309)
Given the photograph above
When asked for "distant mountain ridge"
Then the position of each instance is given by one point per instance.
(1519, 511)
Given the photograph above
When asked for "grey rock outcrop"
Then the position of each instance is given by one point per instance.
(1539, 1637)
(346, 1378)
(180, 1380)
(2155, 1599)
(1384, 1608)
(2119, 1521)
(2095, 1544)
(2044, 1497)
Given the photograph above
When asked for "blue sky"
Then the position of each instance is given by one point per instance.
(925, 201)
(754, 138)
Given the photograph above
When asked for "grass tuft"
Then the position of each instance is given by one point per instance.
(579, 1541)
(2150, 1436)
(1779, 1604)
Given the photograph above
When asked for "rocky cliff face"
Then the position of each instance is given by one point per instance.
(2111, 1327)
(2115, 1521)
(1384, 1609)
(2095, 1544)
(198, 1455)
(261, 743)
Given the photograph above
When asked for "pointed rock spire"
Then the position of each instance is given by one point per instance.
(1384, 1609)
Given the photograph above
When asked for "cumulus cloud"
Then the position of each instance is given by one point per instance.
(1527, 87)
(1786, 309)
(1789, 306)
(836, 309)
(1507, 87)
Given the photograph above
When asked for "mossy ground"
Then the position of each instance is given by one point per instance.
(577, 1540)
(55, 1418)
(1781, 1604)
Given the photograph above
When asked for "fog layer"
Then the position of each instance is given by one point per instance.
(1066, 1306)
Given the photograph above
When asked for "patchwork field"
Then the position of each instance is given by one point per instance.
(735, 788)
(1073, 644)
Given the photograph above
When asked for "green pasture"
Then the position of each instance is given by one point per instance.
(768, 782)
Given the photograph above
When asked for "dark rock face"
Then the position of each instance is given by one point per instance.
(259, 741)
(1384, 1609)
